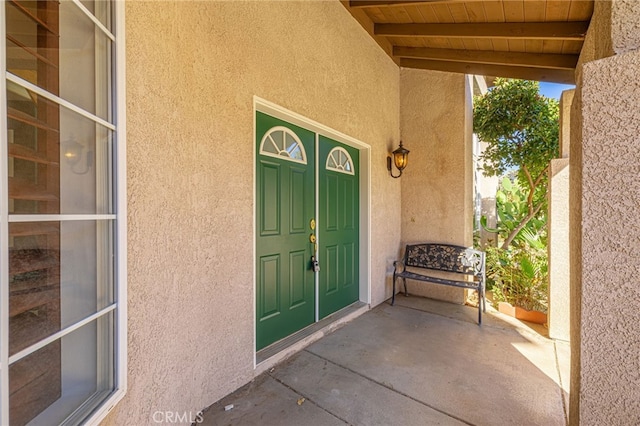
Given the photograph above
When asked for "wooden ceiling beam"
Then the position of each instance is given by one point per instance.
(500, 30)
(526, 73)
(393, 3)
(533, 60)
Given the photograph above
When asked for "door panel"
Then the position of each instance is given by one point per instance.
(330, 218)
(270, 190)
(300, 198)
(339, 226)
(285, 202)
(269, 283)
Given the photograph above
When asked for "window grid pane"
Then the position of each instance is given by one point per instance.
(82, 360)
(60, 279)
(59, 273)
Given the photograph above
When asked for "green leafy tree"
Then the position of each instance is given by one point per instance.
(521, 129)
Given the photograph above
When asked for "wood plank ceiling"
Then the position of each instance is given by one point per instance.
(528, 39)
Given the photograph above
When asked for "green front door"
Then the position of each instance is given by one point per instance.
(285, 205)
(338, 226)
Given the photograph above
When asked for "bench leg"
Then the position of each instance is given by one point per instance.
(393, 296)
(482, 304)
(404, 280)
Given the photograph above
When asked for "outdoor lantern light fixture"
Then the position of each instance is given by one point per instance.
(400, 159)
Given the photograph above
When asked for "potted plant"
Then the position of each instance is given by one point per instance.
(519, 282)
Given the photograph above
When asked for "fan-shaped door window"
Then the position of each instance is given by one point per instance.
(282, 143)
(339, 160)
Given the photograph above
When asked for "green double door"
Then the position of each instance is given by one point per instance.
(290, 294)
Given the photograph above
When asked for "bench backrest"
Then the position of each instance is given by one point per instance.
(446, 257)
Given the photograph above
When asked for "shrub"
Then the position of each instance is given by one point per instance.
(518, 276)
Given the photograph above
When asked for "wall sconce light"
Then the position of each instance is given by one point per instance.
(73, 154)
(400, 159)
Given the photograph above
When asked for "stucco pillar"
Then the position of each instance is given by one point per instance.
(437, 185)
(559, 266)
(605, 230)
(566, 100)
(559, 300)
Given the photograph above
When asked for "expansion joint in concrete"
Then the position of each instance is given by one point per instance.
(307, 399)
(391, 388)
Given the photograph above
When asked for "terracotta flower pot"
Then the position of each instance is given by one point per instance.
(522, 314)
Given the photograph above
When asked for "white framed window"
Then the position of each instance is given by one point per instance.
(340, 161)
(282, 143)
(62, 211)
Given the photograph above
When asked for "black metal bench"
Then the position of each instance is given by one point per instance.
(446, 258)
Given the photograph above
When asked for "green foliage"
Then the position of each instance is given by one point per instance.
(520, 126)
(519, 273)
(511, 210)
(519, 276)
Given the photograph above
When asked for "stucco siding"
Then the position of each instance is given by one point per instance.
(625, 26)
(566, 102)
(437, 204)
(604, 194)
(558, 250)
(610, 319)
(597, 42)
(559, 228)
(193, 69)
(575, 250)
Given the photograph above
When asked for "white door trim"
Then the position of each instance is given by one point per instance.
(264, 106)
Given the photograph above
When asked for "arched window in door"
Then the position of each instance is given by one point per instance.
(281, 142)
(339, 160)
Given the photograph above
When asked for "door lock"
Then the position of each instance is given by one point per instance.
(315, 266)
(312, 238)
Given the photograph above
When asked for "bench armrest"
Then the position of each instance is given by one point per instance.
(399, 263)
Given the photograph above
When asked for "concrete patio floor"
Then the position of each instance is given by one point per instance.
(420, 362)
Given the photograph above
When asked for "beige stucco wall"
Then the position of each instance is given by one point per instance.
(566, 101)
(605, 232)
(192, 71)
(614, 29)
(610, 242)
(575, 247)
(558, 249)
(437, 185)
(625, 26)
(559, 241)
(597, 43)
